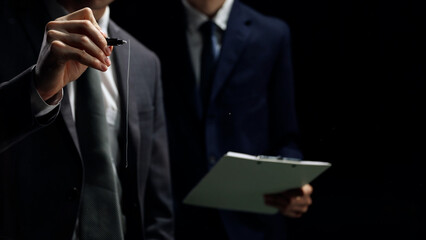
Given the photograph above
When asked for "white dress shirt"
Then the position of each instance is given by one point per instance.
(195, 19)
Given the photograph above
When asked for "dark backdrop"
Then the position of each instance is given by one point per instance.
(360, 82)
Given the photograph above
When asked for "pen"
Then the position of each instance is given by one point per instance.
(115, 41)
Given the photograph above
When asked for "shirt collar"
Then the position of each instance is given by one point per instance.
(195, 18)
(104, 20)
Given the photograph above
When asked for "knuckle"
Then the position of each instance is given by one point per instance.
(84, 39)
(87, 23)
(56, 47)
(50, 25)
(87, 10)
(100, 53)
(80, 55)
(50, 35)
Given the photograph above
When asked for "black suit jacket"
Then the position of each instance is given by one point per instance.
(41, 171)
(251, 110)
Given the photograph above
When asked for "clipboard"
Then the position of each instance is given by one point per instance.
(238, 181)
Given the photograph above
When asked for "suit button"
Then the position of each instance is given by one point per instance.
(75, 194)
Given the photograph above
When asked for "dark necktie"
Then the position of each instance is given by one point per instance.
(208, 61)
(100, 215)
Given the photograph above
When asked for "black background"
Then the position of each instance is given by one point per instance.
(360, 85)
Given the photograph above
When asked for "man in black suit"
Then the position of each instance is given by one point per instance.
(51, 185)
(244, 103)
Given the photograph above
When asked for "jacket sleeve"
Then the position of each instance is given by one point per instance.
(282, 96)
(17, 119)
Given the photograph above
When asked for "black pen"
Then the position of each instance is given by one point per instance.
(115, 41)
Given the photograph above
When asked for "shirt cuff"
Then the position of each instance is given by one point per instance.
(41, 107)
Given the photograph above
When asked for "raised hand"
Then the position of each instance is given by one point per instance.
(71, 44)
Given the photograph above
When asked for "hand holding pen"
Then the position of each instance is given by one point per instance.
(71, 44)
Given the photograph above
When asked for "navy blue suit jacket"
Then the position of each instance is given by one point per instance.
(251, 110)
(41, 169)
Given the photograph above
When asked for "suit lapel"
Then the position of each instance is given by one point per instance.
(233, 44)
(120, 57)
(121, 61)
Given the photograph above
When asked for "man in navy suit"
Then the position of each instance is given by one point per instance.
(249, 107)
(44, 172)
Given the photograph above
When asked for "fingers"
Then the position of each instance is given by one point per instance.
(82, 14)
(70, 44)
(293, 207)
(292, 203)
(79, 30)
(66, 53)
(85, 15)
(307, 189)
(298, 206)
(80, 45)
(83, 27)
